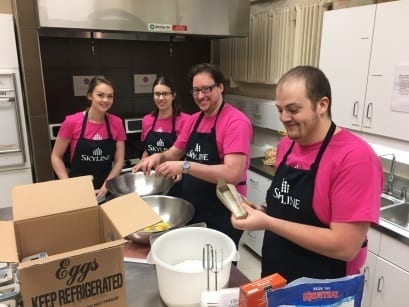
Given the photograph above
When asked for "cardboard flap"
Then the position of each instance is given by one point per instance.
(73, 253)
(8, 250)
(51, 197)
(130, 213)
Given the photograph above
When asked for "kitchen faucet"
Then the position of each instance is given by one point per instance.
(403, 193)
(391, 175)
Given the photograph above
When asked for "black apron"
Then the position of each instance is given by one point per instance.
(93, 157)
(290, 198)
(202, 148)
(160, 141)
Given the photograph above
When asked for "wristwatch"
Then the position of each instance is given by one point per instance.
(185, 167)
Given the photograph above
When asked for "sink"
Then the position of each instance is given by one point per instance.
(388, 200)
(397, 214)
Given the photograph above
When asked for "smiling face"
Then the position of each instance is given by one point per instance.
(208, 102)
(102, 97)
(306, 122)
(163, 97)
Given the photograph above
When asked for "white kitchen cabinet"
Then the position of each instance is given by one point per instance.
(369, 269)
(360, 49)
(344, 58)
(386, 273)
(374, 243)
(390, 48)
(257, 189)
(258, 113)
(391, 285)
(263, 113)
(374, 240)
(272, 117)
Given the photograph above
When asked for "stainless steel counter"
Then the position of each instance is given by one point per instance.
(142, 284)
(141, 281)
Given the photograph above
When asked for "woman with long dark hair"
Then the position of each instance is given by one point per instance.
(161, 127)
(95, 139)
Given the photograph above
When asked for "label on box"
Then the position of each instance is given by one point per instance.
(92, 279)
(253, 294)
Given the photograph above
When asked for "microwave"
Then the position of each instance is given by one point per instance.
(133, 125)
(53, 130)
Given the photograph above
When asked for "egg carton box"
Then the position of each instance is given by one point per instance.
(75, 246)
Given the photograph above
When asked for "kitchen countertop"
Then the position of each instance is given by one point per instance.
(257, 166)
(142, 284)
(141, 280)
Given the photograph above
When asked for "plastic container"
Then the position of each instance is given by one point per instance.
(183, 285)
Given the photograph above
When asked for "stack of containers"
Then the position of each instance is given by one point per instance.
(9, 286)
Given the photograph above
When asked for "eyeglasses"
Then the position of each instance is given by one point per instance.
(164, 94)
(204, 89)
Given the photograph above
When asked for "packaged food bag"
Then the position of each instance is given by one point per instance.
(339, 292)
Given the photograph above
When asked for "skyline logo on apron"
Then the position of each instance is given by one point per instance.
(160, 146)
(160, 143)
(97, 137)
(97, 156)
(197, 155)
(284, 197)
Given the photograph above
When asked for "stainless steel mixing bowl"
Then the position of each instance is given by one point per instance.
(175, 211)
(142, 184)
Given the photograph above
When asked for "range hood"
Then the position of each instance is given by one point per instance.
(211, 18)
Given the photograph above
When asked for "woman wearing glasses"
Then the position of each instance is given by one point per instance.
(161, 127)
(216, 142)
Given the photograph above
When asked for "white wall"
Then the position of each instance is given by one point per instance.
(266, 136)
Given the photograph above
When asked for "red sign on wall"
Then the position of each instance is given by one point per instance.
(180, 28)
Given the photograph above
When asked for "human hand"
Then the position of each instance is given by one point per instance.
(147, 164)
(170, 169)
(177, 178)
(101, 193)
(255, 219)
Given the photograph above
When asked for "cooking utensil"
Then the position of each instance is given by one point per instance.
(140, 183)
(230, 197)
(217, 264)
(183, 287)
(174, 211)
(208, 262)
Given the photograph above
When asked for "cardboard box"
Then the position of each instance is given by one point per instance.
(84, 242)
(253, 294)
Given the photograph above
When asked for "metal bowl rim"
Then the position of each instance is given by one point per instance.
(110, 182)
(170, 228)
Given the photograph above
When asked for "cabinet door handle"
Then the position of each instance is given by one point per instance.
(355, 109)
(366, 274)
(253, 181)
(380, 284)
(369, 111)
